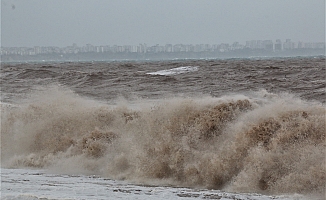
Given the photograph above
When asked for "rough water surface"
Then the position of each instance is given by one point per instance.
(238, 125)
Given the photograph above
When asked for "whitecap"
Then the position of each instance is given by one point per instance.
(174, 71)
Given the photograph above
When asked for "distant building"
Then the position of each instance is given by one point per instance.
(168, 48)
(278, 45)
(288, 45)
(268, 45)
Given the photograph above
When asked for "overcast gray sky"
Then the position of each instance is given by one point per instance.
(109, 22)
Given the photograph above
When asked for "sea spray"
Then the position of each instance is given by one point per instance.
(250, 143)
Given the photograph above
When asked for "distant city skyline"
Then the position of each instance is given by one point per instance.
(245, 43)
(266, 45)
(29, 23)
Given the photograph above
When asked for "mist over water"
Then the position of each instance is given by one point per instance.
(116, 121)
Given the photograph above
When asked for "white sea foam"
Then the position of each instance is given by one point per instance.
(27, 184)
(174, 71)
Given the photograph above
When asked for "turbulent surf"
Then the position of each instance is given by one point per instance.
(206, 126)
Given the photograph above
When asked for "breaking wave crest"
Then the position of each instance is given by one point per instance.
(258, 143)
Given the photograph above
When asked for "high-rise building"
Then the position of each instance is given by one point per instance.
(287, 45)
(278, 45)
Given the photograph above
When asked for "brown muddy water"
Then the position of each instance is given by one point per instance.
(237, 125)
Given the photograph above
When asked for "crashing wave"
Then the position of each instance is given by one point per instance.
(234, 143)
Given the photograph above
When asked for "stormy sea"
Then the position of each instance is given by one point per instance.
(178, 129)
